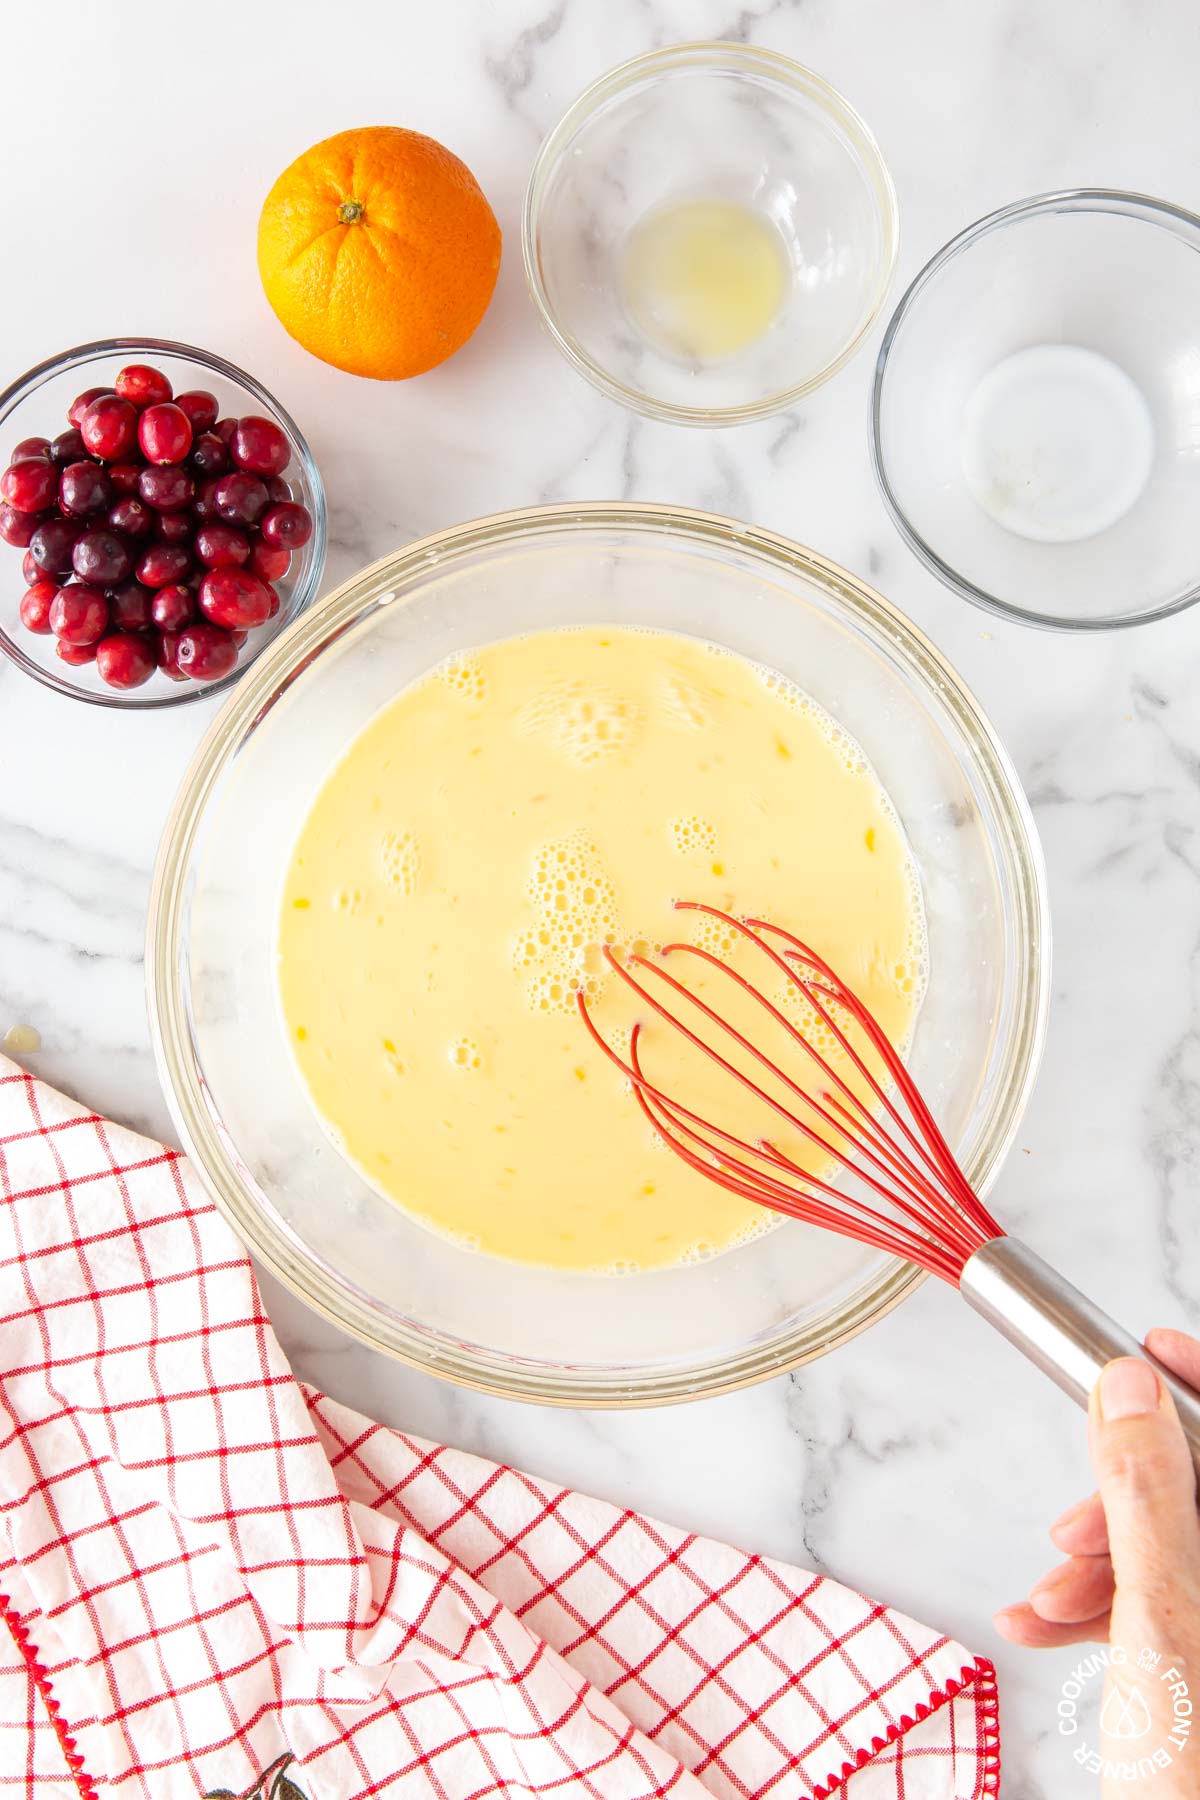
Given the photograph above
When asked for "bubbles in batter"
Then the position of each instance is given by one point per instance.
(575, 902)
(693, 836)
(585, 722)
(463, 676)
(402, 858)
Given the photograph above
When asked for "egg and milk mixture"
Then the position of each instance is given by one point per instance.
(481, 839)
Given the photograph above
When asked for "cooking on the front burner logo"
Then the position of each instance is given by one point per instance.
(1145, 1720)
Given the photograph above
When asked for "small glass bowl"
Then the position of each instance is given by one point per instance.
(36, 405)
(1113, 279)
(724, 122)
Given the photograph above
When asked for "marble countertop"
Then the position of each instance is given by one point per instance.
(923, 1461)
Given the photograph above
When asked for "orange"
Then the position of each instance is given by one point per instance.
(378, 251)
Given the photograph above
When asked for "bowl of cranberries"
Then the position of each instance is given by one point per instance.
(161, 520)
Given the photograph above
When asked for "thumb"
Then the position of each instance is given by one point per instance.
(1147, 1479)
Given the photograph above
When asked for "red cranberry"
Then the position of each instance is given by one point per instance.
(266, 562)
(286, 527)
(164, 434)
(205, 652)
(209, 455)
(30, 570)
(75, 653)
(259, 446)
(102, 556)
(167, 651)
(30, 446)
(279, 490)
(124, 477)
(30, 485)
(166, 489)
(225, 429)
(110, 428)
(173, 607)
(239, 636)
(201, 408)
(274, 600)
(205, 504)
(174, 528)
(68, 447)
(17, 528)
(133, 516)
(162, 564)
(130, 606)
(142, 385)
(79, 614)
(52, 543)
(239, 499)
(125, 659)
(35, 607)
(82, 401)
(222, 546)
(232, 597)
(84, 487)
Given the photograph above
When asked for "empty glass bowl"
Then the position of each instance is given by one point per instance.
(1036, 417)
(707, 163)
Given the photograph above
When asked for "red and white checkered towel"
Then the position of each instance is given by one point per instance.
(217, 1582)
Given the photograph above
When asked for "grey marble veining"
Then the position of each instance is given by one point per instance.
(923, 1461)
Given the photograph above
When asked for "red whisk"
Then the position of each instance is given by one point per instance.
(910, 1197)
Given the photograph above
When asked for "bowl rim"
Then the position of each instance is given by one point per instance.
(268, 681)
(699, 53)
(1124, 202)
(78, 356)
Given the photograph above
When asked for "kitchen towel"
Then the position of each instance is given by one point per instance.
(215, 1581)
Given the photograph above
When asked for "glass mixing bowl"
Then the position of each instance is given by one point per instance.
(242, 1113)
(1111, 276)
(724, 122)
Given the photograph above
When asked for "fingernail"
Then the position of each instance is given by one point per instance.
(1047, 1582)
(1128, 1388)
(1068, 1517)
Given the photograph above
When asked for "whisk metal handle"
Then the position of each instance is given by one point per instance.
(1058, 1328)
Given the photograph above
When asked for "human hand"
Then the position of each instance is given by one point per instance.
(1132, 1574)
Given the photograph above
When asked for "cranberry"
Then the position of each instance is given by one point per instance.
(29, 485)
(221, 546)
(205, 652)
(125, 659)
(84, 487)
(174, 528)
(30, 446)
(167, 650)
(201, 408)
(266, 562)
(162, 564)
(75, 653)
(79, 614)
(286, 527)
(130, 606)
(164, 434)
(124, 477)
(209, 455)
(259, 446)
(232, 597)
(239, 636)
(30, 570)
(166, 489)
(205, 504)
(142, 384)
(82, 401)
(17, 528)
(68, 447)
(52, 543)
(110, 428)
(279, 490)
(102, 556)
(225, 429)
(173, 607)
(239, 499)
(36, 602)
(274, 600)
(133, 516)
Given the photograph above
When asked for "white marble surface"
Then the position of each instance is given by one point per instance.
(922, 1462)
